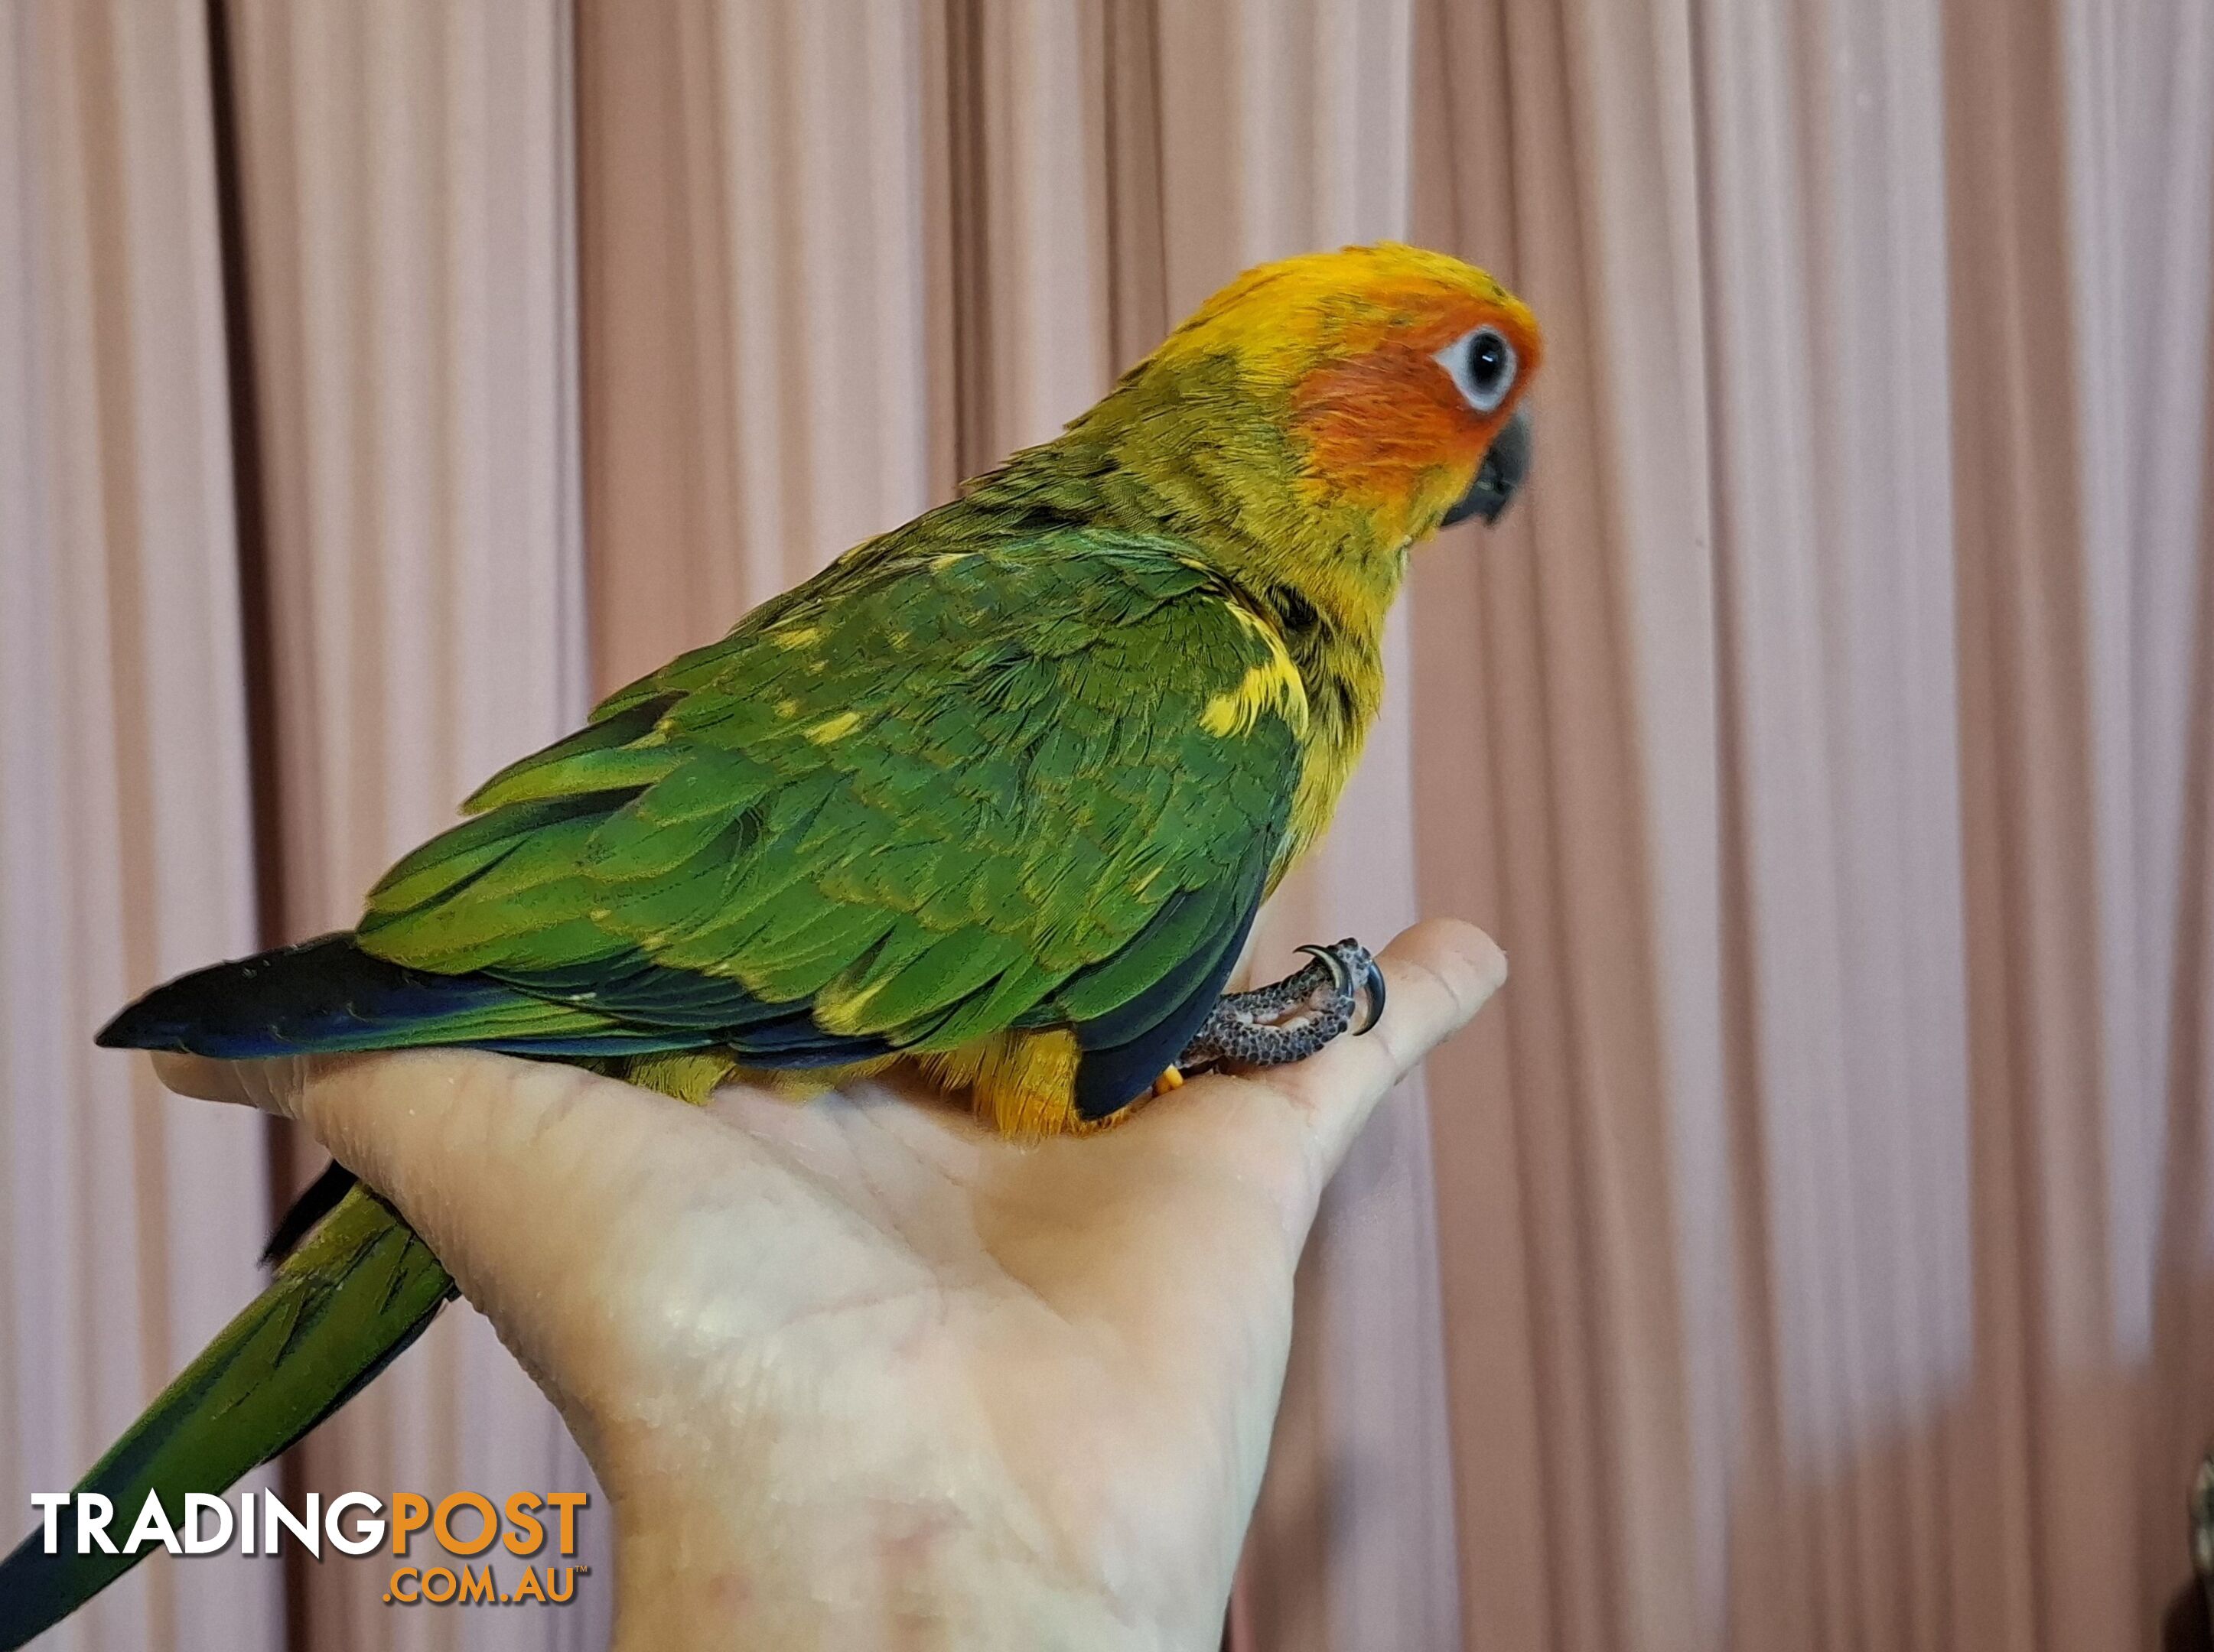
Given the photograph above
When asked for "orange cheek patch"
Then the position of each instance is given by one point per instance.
(1378, 426)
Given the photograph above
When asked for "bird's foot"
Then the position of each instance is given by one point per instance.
(1295, 1017)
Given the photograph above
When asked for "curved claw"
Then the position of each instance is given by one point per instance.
(1373, 979)
(1329, 955)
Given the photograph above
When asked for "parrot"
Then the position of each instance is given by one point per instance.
(997, 794)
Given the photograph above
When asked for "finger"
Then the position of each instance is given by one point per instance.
(1440, 974)
(274, 1085)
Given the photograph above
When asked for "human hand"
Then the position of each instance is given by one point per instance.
(860, 1373)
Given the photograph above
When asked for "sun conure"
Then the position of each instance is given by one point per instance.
(998, 792)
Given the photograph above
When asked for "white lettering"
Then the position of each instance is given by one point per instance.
(93, 1514)
(309, 1532)
(196, 1504)
(153, 1522)
(49, 1504)
(367, 1535)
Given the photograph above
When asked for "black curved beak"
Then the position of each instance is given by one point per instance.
(1505, 464)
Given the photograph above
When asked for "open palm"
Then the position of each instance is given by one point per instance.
(859, 1374)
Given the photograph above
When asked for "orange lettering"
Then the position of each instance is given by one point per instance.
(568, 1502)
(410, 1513)
(444, 1524)
(530, 1534)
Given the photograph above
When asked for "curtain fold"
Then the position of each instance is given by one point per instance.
(1813, 1247)
(406, 192)
(130, 1218)
(764, 316)
(1566, 710)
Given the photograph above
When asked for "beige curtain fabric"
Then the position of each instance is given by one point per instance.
(127, 1224)
(1814, 1245)
(405, 196)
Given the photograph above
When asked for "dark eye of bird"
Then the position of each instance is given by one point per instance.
(1486, 361)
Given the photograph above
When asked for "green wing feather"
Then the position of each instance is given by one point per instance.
(929, 795)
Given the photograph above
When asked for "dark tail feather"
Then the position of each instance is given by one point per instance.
(329, 995)
(343, 1306)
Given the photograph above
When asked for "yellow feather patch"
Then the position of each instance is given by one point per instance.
(1276, 686)
(1021, 1084)
(688, 1075)
(835, 727)
(805, 1083)
(798, 637)
(838, 1008)
(1278, 317)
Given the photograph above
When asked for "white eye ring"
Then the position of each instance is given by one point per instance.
(1483, 366)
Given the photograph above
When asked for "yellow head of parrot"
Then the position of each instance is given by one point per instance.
(1397, 374)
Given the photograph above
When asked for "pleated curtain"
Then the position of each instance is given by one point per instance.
(1813, 1247)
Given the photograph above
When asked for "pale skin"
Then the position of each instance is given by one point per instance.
(857, 1373)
